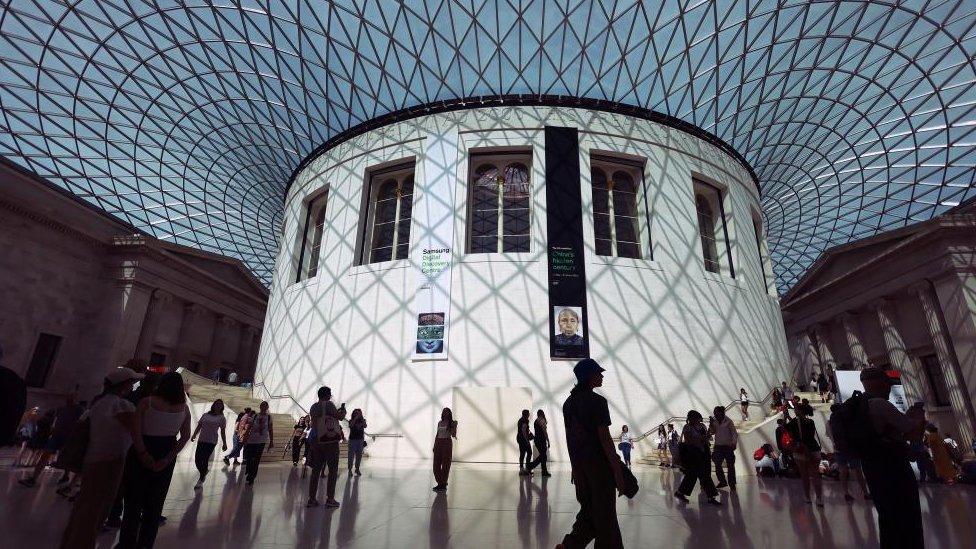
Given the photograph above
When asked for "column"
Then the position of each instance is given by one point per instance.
(959, 398)
(916, 386)
(190, 312)
(826, 358)
(127, 311)
(222, 325)
(858, 355)
(160, 298)
(244, 348)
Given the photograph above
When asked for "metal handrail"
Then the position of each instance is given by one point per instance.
(372, 436)
(672, 419)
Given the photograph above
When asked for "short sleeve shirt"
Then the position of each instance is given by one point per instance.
(584, 412)
(209, 425)
(523, 428)
(108, 439)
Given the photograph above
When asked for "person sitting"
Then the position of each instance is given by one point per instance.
(767, 461)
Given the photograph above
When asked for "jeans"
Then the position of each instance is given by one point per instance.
(145, 492)
(355, 455)
(252, 458)
(235, 450)
(724, 454)
(323, 454)
(202, 457)
(525, 454)
(625, 448)
(443, 453)
(597, 518)
(296, 448)
(541, 460)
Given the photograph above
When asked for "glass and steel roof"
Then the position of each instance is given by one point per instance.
(186, 118)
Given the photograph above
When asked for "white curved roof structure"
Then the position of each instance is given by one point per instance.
(187, 118)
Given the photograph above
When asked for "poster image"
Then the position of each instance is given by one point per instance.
(430, 319)
(568, 325)
(430, 346)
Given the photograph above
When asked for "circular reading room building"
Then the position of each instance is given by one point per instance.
(468, 254)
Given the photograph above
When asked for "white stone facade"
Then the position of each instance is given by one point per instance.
(671, 335)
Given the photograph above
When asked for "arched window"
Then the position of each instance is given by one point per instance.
(615, 214)
(311, 238)
(390, 215)
(706, 228)
(500, 197)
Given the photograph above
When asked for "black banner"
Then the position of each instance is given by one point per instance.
(569, 335)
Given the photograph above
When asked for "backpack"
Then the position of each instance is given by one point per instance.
(852, 429)
(759, 454)
(786, 440)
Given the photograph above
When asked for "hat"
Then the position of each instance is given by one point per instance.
(874, 374)
(120, 375)
(585, 368)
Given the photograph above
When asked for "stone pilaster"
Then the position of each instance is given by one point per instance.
(913, 379)
(959, 397)
(858, 355)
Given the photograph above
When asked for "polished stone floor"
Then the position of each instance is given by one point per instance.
(392, 506)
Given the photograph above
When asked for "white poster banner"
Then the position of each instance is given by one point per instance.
(433, 255)
(849, 381)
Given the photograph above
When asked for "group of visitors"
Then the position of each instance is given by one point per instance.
(539, 437)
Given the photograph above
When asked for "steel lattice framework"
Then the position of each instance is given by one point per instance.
(186, 118)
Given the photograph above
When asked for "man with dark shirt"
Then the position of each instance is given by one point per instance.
(522, 438)
(65, 418)
(323, 449)
(596, 468)
(890, 479)
(13, 400)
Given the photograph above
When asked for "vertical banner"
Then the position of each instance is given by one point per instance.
(433, 217)
(569, 336)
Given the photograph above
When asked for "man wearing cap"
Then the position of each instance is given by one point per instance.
(887, 471)
(596, 468)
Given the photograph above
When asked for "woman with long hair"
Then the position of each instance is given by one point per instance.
(259, 433)
(207, 427)
(695, 459)
(357, 440)
(744, 403)
(443, 448)
(806, 451)
(148, 471)
(626, 444)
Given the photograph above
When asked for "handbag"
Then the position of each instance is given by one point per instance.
(71, 456)
(630, 481)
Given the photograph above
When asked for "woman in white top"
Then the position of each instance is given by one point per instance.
(112, 422)
(207, 428)
(148, 471)
(744, 402)
(444, 448)
(626, 444)
(258, 435)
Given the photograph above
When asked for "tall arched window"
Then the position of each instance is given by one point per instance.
(500, 194)
(616, 223)
(713, 228)
(389, 215)
(615, 214)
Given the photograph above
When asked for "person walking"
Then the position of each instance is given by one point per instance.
(674, 443)
(241, 425)
(890, 479)
(945, 469)
(259, 434)
(824, 387)
(159, 418)
(744, 403)
(444, 448)
(357, 440)
(207, 427)
(726, 440)
(661, 441)
(626, 444)
(323, 446)
(112, 429)
(695, 460)
(805, 449)
(596, 469)
(298, 435)
(522, 437)
(787, 393)
(541, 440)
(65, 418)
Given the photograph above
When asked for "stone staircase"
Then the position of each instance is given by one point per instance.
(204, 391)
(744, 427)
